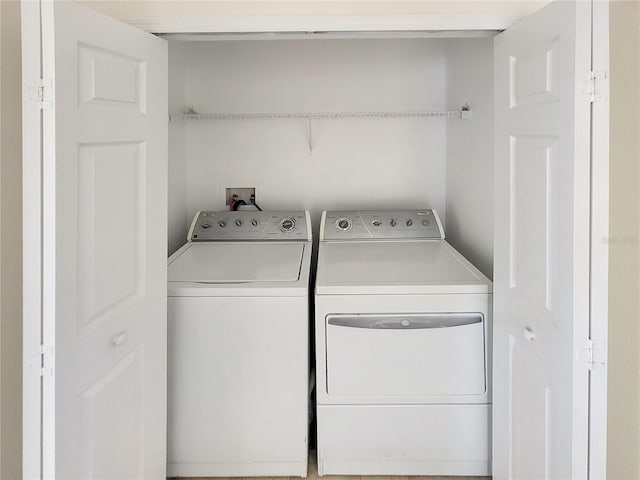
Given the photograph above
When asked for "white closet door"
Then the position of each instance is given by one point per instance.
(103, 216)
(542, 182)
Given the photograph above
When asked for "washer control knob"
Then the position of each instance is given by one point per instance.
(409, 222)
(405, 323)
(425, 222)
(343, 224)
(254, 222)
(238, 222)
(287, 224)
(376, 223)
(205, 225)
(393, 222)
(222, 224)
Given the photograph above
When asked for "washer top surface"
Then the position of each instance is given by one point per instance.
(237, 262)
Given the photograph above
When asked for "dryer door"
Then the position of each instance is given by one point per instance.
(406, 354)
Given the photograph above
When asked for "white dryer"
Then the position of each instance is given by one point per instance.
(403, 329)
(238, 344)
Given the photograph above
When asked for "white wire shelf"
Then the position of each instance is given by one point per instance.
(462, 113)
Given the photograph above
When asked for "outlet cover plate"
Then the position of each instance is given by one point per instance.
(240, 193)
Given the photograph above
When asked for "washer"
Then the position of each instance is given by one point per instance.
(403, 328)
(238, 343)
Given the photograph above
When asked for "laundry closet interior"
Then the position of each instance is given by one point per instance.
(332, 121)
(337, 149)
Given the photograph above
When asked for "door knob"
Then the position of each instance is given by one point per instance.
(119, 339)
(529, 334)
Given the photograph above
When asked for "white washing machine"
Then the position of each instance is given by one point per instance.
(238, 344)
(403, 329)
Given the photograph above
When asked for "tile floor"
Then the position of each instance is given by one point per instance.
(313, 474)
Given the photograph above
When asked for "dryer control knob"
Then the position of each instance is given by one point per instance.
(409, 222)
(393, 222)
(287, 224)
(254, 222)
(343, 224)
(376, 223)
(238, 222)
(222, 224)
(425, 222)
(405, 323)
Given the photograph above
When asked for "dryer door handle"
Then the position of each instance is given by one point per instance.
(405, 321)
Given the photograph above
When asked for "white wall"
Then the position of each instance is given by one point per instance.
(178, 214)
(623, 439)
(470, 151)
(10, 243)
(355, 163)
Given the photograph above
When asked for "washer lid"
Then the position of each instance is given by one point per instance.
(238, 262)
(399, 267)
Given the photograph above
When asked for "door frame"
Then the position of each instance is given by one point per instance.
(38, 244)
(599, 255)
(360, 20)
(32, 140)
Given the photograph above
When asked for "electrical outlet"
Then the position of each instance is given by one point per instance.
(240, 193)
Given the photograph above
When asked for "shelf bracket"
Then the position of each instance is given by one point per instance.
(309, 134)
(465, 111)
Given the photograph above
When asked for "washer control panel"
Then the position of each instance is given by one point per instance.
(210, 226)
(380, 225)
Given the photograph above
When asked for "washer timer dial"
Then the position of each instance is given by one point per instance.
(287, 224)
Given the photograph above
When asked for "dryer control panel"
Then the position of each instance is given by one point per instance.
(210, 226)
(381, 225)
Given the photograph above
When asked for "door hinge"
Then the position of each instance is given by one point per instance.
(42, 93)
(41, 360)
(596, 86)
(593, 354)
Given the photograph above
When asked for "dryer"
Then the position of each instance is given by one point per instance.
(403, 329)
(238, 346)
